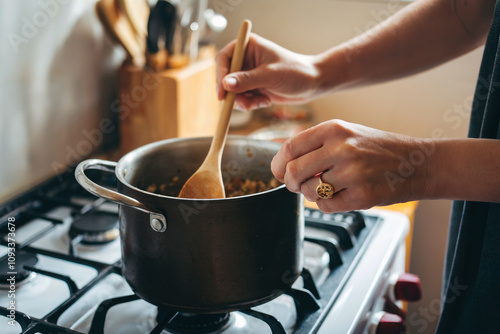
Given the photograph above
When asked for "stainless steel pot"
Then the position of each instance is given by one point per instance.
(203, 256)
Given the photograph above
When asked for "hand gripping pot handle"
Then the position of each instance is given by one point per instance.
(156, 219)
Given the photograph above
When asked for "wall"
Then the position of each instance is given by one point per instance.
(415, 106)
(57, 71)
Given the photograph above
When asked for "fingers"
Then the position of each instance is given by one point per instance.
(300, 144)
(251, 100)
(340, 202)
(243, 81)
(253, 76)
(323, 148)
(334, 177)
(233, 82)
(223, 60)
(305, 167)
(359, 162)
(342, 199)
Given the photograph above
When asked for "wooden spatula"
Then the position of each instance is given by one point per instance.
(117, 25)
(206, 182)
(137, 12)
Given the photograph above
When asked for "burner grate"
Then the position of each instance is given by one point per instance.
(189, 323)
(351, 234)
(20, 276)
(179, 322)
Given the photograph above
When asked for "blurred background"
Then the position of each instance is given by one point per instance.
(61, 90)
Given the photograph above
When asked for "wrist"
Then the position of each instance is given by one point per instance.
(442, 168)
(458, 169)
(424, 158)
(333, 71)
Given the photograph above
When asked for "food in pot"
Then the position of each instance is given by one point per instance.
(237, 186)
(153, 188)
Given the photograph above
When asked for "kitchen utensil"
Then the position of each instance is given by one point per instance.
(169, 18)
(137, 12)
(160, 28)
(210, 256)
(193, 40)
(157, 61)
(215, 23)
(119, 28)
(207, 181)
(167, 109)
(196, 26)
(178, 56)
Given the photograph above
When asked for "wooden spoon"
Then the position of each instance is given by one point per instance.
(137, 12)
(206, 182)
(117, 25)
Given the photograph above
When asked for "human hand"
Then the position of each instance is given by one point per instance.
(363, 164)
(271, 74)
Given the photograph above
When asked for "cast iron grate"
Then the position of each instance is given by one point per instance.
(352, 229)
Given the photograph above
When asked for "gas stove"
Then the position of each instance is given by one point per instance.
(60, 272)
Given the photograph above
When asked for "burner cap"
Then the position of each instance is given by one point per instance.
(21, 275)
(97, 227)
(188, 323)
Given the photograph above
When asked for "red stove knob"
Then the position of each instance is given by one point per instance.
(387, 323)
(407, 288)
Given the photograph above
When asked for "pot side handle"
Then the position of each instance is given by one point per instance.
(157, 220)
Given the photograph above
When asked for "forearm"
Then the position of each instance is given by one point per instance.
(460, 169)
(424, 34)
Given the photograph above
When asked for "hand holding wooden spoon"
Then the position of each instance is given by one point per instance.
(206, 182)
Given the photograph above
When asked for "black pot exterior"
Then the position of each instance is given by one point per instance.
(215, 255)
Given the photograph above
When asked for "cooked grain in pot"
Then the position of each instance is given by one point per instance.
(240, 187)
(236, 186)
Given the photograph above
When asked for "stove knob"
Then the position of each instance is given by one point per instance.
(408, 288)
(405, 287)
(386, 323)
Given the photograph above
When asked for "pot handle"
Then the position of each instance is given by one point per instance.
(156, 219)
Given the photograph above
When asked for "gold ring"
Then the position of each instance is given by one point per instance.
(324, 190)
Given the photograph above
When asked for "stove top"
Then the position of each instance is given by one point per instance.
(61, 271)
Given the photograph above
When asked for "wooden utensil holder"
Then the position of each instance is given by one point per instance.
(171, 103)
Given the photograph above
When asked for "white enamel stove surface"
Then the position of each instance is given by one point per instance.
(140, 317)
(362, 295)
(43, 294)
(58, 241)
(350, 313)
(40, 296)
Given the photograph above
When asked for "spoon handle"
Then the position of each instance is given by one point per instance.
(219, 138)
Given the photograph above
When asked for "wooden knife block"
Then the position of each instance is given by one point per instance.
(171, 103)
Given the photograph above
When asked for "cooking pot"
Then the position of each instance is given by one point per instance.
(202, 256)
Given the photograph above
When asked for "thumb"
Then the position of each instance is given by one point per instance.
(242, 81)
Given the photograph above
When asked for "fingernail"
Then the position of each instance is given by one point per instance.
(231, 82)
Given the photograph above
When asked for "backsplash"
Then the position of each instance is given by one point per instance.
(57, 73)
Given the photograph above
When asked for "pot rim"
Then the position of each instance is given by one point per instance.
(142, 150)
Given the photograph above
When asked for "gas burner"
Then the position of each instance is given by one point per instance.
(17, 274)
(188, 323)
(332, 295)
(94, 228)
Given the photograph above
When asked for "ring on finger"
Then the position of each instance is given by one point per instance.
(324, 190)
